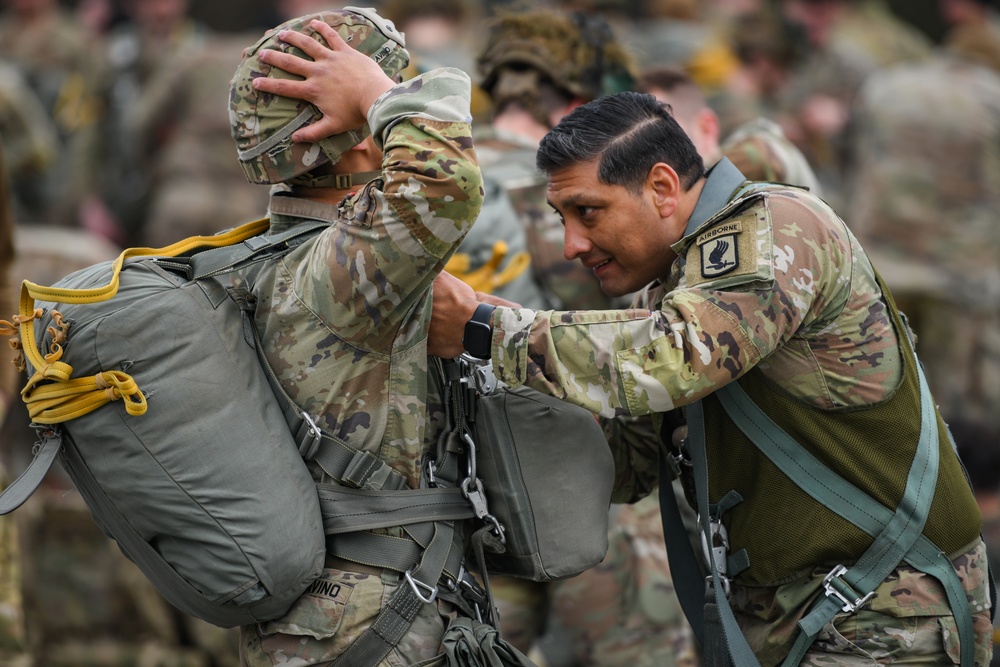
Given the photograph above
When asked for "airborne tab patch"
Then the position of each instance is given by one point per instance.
(726, 249)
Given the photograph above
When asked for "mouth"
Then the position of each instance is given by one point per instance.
(599, 267)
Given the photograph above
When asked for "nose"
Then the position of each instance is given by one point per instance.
(575, 243)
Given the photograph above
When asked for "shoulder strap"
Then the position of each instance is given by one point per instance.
(896, 533)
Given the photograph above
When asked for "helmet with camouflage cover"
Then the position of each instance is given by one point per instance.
(262, 124)
(577, 53)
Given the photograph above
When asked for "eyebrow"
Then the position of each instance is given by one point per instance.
(583, 198)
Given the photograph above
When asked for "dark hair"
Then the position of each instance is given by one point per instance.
(628, 133)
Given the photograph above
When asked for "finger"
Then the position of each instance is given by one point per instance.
(322, 128)
(327, 32)
(287, 62)
(283, 87)
(306, 43)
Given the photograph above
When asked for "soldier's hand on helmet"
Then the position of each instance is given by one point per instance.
(339, 81)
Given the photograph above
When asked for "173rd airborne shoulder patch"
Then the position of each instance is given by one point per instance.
(728, 248)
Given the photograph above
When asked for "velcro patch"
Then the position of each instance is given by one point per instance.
(728, 249)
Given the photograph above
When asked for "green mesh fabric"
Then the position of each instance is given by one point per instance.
(786, 532)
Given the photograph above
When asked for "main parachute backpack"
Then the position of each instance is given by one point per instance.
(145, 381)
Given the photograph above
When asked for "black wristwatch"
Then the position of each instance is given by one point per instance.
(478, 339)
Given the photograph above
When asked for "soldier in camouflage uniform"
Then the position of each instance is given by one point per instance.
(343, 317)
(912, 171)
(57, 62)
(758, 147)
(765, 289)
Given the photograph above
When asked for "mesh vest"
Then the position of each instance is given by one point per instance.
(783, 530)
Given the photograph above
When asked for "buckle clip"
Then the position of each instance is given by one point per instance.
(419, 586)
(834, 585)
(716, 549)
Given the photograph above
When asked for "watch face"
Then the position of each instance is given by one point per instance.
(477, 339)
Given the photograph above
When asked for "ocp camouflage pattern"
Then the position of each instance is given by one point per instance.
(257, 118)
(343, 319)
(801, 303)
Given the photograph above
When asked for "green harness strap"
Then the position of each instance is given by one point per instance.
(897, 533)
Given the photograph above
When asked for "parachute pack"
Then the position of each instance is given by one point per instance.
(147, 380)
(189, 461)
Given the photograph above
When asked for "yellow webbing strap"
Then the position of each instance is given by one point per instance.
(51, 394)
(488, 277)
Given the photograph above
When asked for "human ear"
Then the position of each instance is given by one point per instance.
(665, 188)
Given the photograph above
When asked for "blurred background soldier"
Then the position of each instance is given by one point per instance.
(973, 30)
(57, 62)
(537, 67)
(13, 646)
(848, 40)
(757, 147)
(162, 159)
(926, 176)
(30, 145)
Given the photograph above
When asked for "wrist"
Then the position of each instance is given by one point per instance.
(478, 338)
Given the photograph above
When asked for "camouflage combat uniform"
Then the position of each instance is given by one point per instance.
(800, 308)
(344, 323)
(760, 150)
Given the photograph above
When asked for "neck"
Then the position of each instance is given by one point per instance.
(685, 207)
(520, 123)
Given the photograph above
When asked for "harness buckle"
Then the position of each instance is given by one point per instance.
(715, 549)
(834, 584)
(419, 586)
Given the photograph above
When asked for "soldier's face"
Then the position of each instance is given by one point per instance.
(621, 236)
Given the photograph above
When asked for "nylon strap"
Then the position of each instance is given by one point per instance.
(395, 619)
(733, 645)
(892, 542)
(21, 488)
(349, 510)
(688, 577)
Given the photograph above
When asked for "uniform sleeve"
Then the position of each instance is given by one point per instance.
(394, 236)
(432, 180)
(742, 292)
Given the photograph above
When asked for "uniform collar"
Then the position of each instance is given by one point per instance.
(284, 205)
(723, 180)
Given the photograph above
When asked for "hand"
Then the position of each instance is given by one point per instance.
(454, 303)
(495, 300)
(339, 81)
